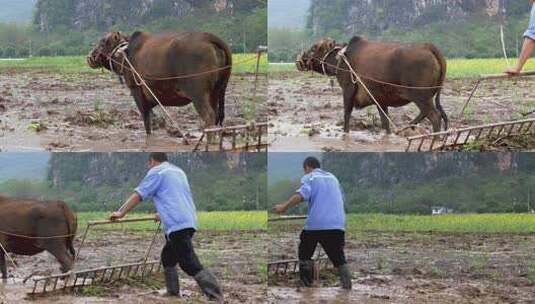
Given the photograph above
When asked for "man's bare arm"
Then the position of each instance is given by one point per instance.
(130, 204)
(293, 201)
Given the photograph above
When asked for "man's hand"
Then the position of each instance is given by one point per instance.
(116, 216)
(157, 217)
(512, 71)
(280, 208)
(295, 200)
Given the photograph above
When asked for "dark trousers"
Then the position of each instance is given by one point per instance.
(179, 250)
(332, 241)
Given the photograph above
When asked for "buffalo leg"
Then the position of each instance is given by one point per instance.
(201, 101)
(3, 268)
(419, 118)
(385, 123)
(207, 113)
(440, 109)
(205, 110)
(144, 109)
(431, 113)
(427, 110)
(349, 96)
(147, 121)
(436, 119)
(58, 249)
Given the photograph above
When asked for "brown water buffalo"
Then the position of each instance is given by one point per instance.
(160, 59)
(39, 221)
(406, 65)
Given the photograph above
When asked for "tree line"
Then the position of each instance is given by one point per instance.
(245, 29)
(102, 181)
(476, 36)
(415, 183)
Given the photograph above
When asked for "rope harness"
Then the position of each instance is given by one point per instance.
(8, 256)
(324, 60)
(37, 237)
(121, 49)
(324, 63)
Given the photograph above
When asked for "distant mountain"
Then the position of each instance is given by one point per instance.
(31, 166)
(20, 11)
(288, 14)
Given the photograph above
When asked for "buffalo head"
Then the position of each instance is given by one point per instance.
(99, 57)
(311, 59)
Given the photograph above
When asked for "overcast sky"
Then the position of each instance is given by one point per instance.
(23, 165)
(287, 13)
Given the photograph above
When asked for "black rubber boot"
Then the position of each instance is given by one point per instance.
(345, 277)
(306, 272)
(209, 285)
(171, 282)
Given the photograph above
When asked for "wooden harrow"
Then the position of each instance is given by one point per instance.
(102, 275)
(78, 279)
(455, 138)
(244, 138)
(284, 267)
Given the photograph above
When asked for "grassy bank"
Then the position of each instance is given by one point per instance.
(457, 68)
(452, 223)
(473, 223)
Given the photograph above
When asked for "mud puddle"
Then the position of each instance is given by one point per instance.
(94, 112)
(237, 259)
(417, 268)
(306, 111)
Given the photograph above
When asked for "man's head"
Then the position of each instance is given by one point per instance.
(156, 158)
(310, 164)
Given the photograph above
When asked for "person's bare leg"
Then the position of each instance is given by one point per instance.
(527, 50)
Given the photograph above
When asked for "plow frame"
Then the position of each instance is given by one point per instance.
(483, 78)
(107, 274)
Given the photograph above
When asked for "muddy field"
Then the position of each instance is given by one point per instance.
(306, 112)
(237, 258)
(93, 112)
(418, 268)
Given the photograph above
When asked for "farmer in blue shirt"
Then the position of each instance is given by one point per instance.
(529, 44)
(168, 187)
(325, 223)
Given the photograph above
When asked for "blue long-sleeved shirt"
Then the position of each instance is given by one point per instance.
(323, 193)
(530, 32)
(169, 188)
